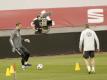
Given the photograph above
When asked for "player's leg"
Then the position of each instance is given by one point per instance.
(92, 65)
(92, 61)
(26, 59)
(20, 52)
(23, 61)
(38, 31)
(87, 61)
(27, 55)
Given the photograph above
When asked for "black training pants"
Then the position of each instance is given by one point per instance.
(24, 53)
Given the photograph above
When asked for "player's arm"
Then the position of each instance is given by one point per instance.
(81, 42)
(52, 23)
(12, 36)
(97, 41)
(32, 24)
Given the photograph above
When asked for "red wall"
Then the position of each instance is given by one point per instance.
(63, 17)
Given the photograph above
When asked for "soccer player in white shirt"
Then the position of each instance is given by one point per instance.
(87, 44)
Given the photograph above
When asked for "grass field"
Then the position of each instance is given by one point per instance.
(60, 67)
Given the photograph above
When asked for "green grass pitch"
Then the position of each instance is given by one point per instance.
(59, 67)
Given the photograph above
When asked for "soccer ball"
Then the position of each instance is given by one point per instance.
(39, 66)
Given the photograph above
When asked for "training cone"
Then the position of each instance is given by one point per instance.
(77, 67)
(12, 69)
(14, 66)
(8, 72)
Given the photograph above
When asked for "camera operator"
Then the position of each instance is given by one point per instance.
(42, 22)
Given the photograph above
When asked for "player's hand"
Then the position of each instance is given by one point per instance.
(98, 50)
(13, 50)
(27, 40)
(33, 28)
(81, 50)
(53, 23)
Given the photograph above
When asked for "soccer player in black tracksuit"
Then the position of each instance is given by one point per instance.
(16, 43)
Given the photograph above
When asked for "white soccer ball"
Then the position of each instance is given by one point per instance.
(39, 66)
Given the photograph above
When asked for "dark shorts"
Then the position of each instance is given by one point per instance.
(88, 54)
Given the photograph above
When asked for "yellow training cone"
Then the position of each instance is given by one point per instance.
(8, 72)
(77, 67)
(12, 69)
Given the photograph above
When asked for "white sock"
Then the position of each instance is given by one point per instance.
(89, 68)
(93, 69)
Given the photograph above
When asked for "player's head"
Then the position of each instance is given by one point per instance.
(38, 17)
(18, 25)
(43, 12)
(87, 26)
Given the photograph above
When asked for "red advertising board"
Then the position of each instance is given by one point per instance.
(63, 17)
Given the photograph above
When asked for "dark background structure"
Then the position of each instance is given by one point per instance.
(50, 44)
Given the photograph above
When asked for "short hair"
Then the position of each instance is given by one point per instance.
(43, 11)
(87, 25)
(38, 16)
(18, 23)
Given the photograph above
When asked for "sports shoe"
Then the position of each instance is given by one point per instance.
(93, 72)
(27, 65)
(23, 67)
(89, 72)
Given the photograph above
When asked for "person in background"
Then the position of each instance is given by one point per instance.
(42, 22)
(87, 44)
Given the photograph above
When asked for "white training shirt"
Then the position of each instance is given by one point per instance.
(88, 38)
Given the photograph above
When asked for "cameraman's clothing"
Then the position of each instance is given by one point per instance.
(16, 43)
(37, 26)
(41, 23)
